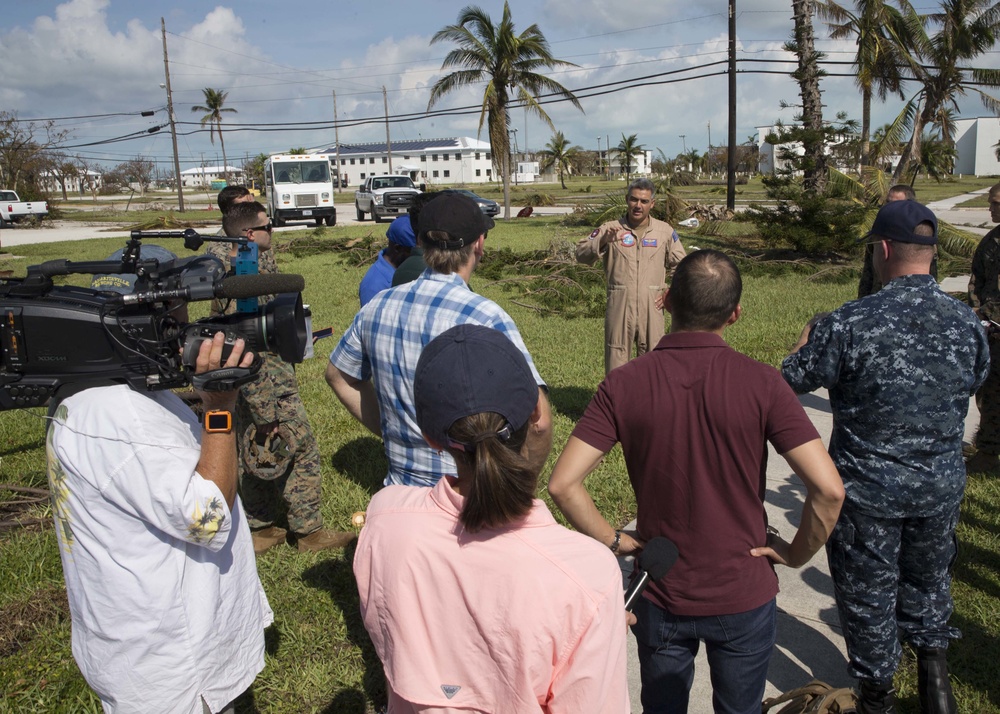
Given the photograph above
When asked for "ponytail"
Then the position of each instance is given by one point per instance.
(503, 483)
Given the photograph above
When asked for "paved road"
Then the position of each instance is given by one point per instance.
(55, 231)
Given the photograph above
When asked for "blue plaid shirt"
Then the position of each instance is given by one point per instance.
(384, 343)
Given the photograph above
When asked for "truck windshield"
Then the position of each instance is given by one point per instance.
(301, 171)
(392, 182)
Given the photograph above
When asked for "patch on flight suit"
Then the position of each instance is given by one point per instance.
(675, 237)
(594, 234)
(649, 242)
(628, 240)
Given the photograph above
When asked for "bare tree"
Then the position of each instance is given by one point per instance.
(87, 179)
(24, 146)
(139, 171)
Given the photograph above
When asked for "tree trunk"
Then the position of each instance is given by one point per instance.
(225, 163)
(911, 154)
(866, 126)
(807, 74)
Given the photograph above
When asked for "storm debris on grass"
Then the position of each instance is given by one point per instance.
(20, 621)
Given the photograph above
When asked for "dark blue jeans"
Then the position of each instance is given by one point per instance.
(738, 648)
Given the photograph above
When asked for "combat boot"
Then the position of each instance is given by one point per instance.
(876, 697)
(933, 684)
(266, 538)
(983, 462)
(323, 539)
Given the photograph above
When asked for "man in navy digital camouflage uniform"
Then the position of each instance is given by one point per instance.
(901, 366)
(984, 297)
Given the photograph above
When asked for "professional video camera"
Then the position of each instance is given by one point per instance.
(56, 340)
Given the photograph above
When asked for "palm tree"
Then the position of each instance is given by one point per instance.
(693, 160)
(883, 37)
(937, 157)
(559, 154)
(966, 29)
(508, 64)
(214, 101)
(628, 148)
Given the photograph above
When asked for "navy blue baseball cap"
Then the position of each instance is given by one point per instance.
(471, 369)
(898, 220)
(124, 283)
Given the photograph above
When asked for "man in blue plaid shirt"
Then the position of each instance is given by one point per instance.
(371, 370)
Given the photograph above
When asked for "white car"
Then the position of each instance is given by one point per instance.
(691, 222)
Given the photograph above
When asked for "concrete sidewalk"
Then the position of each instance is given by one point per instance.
(809, 641)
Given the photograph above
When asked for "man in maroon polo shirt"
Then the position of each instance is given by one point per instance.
(693, 418)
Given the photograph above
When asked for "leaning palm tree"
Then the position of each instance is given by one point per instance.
(560, 155)
(508, 63)
(214, 101)
(883, 38)
(966, 29)
(628, 148)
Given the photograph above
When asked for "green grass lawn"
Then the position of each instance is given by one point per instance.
(319, 658)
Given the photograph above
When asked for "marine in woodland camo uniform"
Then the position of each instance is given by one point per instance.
(274, 464)
(984, 296)
(900, 366)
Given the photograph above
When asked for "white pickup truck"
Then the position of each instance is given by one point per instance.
(13, 209)
(384, 196)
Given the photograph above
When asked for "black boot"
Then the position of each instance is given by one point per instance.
(876, 697)
(933, 685)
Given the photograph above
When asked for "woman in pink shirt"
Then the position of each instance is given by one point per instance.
(474, 597)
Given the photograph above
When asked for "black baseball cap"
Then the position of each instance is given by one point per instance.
(897, 221)
(458, 216)
(471, 369)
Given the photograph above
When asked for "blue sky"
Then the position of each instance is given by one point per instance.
(281, 63)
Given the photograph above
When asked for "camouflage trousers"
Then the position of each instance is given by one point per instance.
(892, 579)
(279, 458)
(988, 402)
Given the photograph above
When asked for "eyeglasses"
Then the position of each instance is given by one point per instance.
(269, 228)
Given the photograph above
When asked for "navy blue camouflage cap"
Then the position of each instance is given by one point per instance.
(898, 220)
(124, 283)
(472, 369)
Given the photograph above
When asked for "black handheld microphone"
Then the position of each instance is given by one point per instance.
(657, 557)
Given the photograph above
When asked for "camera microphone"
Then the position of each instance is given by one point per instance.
(238, 287)
(657, 557)
(233, 288)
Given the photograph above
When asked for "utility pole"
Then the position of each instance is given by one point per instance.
(683, 142)
(388, 146)
(336, 140)
(600, 162)
(708, 158)
(731, 159)
(607, 143)
(170, 113)
(514, 153)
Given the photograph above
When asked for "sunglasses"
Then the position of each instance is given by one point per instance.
(269, 228)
